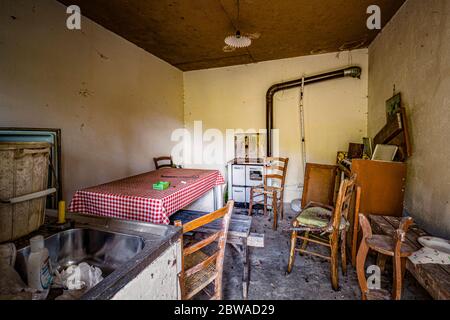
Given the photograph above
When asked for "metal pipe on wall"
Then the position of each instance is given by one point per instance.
(354, 72)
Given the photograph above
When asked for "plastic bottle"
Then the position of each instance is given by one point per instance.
(38, 267)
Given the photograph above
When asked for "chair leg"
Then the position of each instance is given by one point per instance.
(305, 242)
(381, 261)
(344, 252)
(360, 268)
(398, 278)
(335, 262)
(403, 261)
(281, 207)
(292, 251)
(275, 210)
(265, 204)
(250, 208)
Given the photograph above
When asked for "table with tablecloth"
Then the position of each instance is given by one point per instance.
(134, 198)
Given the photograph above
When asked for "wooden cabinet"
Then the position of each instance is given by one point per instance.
(382, 193)
(382, 185)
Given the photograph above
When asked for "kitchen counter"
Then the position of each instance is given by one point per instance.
(157, 240)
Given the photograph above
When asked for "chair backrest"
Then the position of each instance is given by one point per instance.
(162, 162)
(275, 170)
(343, 201)
(319, 183)
(399, 238)
(217, 257)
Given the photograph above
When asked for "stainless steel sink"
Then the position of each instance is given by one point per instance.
(122, 249)
(106, 250)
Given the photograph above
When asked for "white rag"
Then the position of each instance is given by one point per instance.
(82, 276)
(428, 255)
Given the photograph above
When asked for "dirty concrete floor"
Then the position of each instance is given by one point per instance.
(309, 279)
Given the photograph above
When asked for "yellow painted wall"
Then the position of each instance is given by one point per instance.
(413, 53)
(115, 103)
(234, 97)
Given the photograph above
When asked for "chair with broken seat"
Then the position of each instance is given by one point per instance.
(271, 193)
(200, 269)
(388, 246)
(324, 225)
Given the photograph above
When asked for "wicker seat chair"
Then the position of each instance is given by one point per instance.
(327, 226)
(200, 269)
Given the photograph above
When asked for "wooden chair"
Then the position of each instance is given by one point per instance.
(327, 226)
(163, 162)
(198, 268)
(272, 189)
(319, 184)
(392, 246)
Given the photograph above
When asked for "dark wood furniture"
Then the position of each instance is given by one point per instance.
(332, 234)
(396, 132)
(382, 192)
(198, 269)
(391, 246)
(163, 162)
(239, 237)
(319, 184)
(272, 190)
(435, 278)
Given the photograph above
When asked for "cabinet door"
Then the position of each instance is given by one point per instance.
(239, 194)
(382, 186)
(253, 175)
(238, 175)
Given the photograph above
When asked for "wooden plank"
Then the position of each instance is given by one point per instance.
(239, 228)
(203, 220)
(255, 240)
(389, 131)
(239, 224)
(202, 244)
(433, 277)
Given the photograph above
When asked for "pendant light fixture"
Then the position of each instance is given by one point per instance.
(239, 40)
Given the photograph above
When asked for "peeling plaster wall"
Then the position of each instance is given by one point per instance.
(115, 103)
(413, 53)
(235, 98)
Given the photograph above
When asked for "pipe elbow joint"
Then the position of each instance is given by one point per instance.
(354, 72)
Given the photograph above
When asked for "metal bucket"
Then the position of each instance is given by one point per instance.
(23, 187)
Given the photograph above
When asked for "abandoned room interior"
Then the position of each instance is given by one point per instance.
(224, 150)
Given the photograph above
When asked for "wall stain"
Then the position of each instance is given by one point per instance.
(85, 93)
(102, 55)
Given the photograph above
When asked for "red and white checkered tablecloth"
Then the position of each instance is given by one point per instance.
(133, 198)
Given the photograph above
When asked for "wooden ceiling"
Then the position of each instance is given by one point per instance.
(189, 34)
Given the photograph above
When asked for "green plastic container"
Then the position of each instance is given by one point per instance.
(161, 185)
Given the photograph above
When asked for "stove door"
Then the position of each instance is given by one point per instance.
(254, 175)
